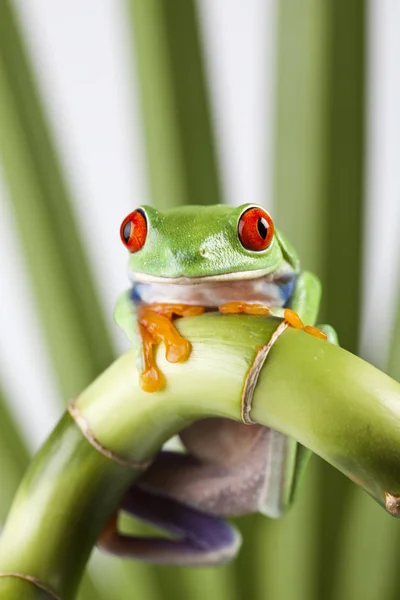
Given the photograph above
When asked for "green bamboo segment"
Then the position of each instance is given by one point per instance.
(65, 293)
(180, 149)
(83, 476)
(14, 459)
(228, 341)
(125, 397)
(341, 407)
(367, 397)
(12, 587)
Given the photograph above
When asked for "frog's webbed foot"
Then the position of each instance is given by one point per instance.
(155, 326)
(244, 307)
(293, 319)
(200, 539)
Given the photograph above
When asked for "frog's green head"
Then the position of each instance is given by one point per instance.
(219, 242)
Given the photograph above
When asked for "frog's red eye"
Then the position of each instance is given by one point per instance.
(256, 229)
(134, 230)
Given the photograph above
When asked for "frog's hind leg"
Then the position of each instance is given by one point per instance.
(199, 539)
(231, 469)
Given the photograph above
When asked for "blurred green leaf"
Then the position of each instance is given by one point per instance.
(368, 568)
(394, 353)
(181, 159)
(64, 289)
(14, 457)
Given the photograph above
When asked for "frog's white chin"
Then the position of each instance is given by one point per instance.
(235, 276)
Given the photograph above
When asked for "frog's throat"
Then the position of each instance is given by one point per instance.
(235, 276)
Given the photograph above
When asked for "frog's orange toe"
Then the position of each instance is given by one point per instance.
(177, 351)
(293, 318)
(316, 332)
(152, 380)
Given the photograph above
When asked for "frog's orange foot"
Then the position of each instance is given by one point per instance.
(244, 307)
(293, 319)
(155, 326)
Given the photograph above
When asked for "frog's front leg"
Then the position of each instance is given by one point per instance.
(147, 325)
(125, 316)
(302, 311)
(304, 301)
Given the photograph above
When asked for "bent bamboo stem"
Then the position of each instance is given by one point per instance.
(331, 401)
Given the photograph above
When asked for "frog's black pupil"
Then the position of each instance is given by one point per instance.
(262, 227)
(127, 231)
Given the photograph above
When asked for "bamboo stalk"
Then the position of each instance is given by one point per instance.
(340, 406)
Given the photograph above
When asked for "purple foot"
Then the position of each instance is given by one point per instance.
(201, 539)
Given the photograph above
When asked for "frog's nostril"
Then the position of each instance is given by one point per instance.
(202, 252)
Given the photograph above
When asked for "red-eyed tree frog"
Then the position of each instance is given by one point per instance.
(183, 262)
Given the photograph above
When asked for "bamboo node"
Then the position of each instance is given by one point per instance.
(83, 425)
(254, 371)
(392, 503)
(34, 581)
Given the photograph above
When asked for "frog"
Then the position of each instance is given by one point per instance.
(183, 262)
